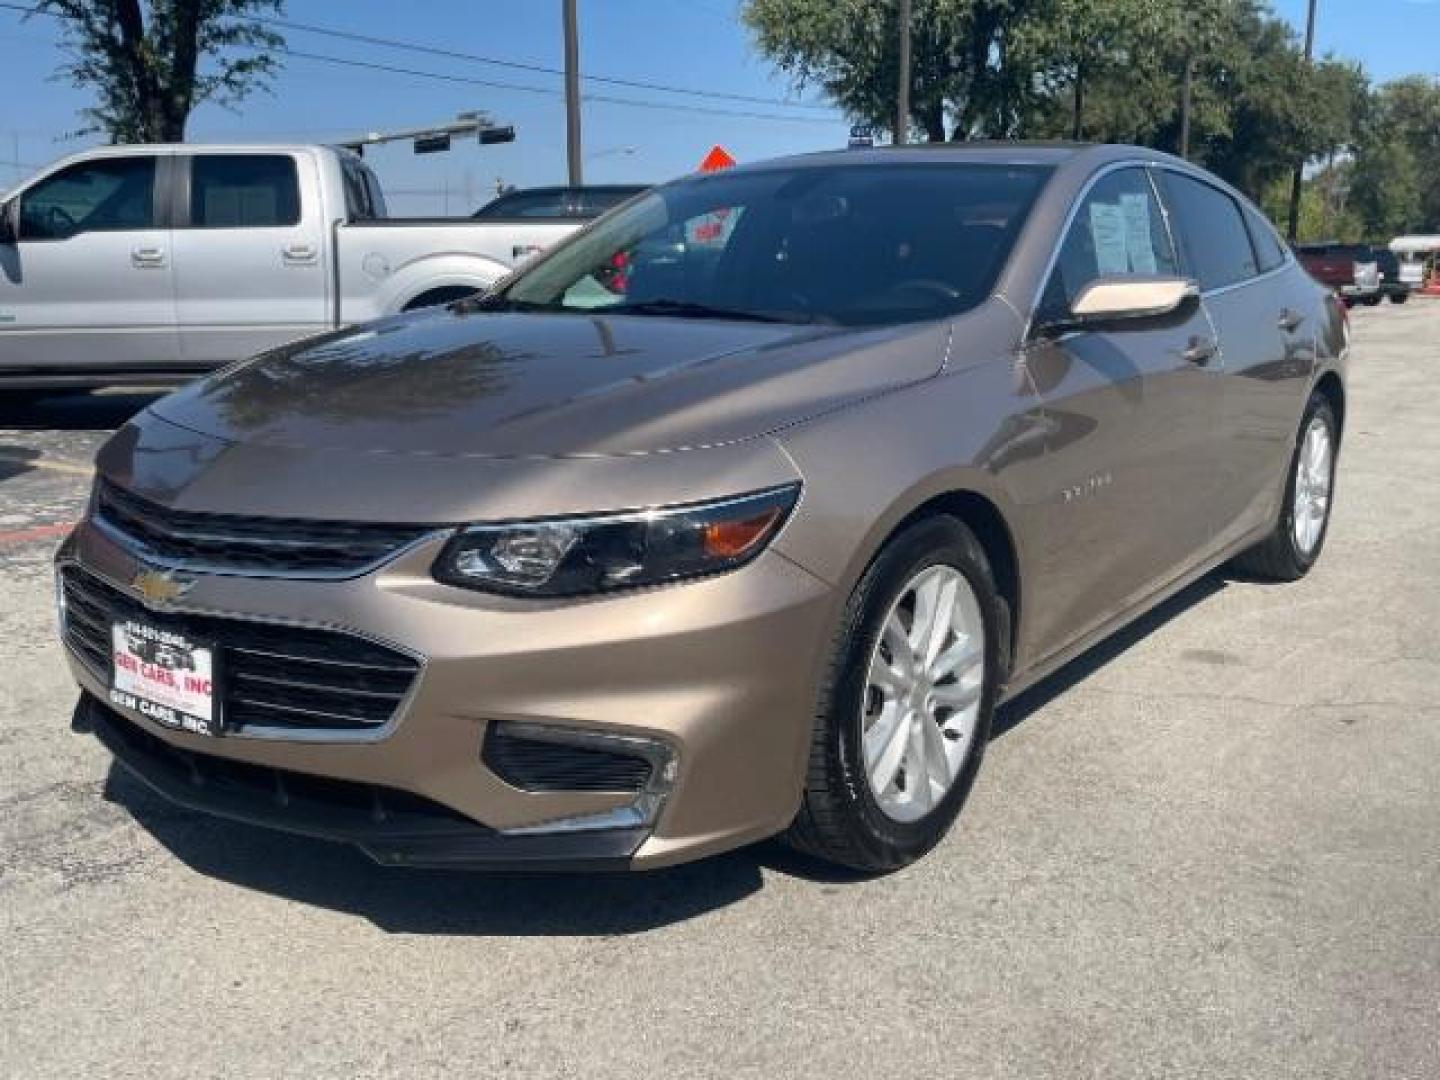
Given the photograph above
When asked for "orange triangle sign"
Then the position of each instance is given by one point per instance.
(718, 158)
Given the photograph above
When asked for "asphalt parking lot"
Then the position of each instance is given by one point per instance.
(1210, 849)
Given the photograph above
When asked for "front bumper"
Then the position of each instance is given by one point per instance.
(391, 828)
(721, 670)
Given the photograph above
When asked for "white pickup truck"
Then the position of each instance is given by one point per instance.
(131, 262)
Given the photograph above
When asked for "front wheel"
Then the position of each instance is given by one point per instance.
(905, 712)
(1291, 549)
(1399, 297)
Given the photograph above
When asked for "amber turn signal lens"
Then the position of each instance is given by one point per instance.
(732, 539)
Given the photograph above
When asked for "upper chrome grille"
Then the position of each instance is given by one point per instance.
(285, 678)
(230, 543)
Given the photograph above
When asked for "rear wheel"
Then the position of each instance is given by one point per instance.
(1290, 551)
(1399, 297)
(1373, 301)
(905, 712)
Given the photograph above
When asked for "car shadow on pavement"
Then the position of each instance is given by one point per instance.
(74, 410)
(340, 878)
(1014, 712)
(458, 902)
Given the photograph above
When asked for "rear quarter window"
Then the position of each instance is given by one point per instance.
(1269, 250)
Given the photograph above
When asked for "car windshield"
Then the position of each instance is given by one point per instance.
(847, 244)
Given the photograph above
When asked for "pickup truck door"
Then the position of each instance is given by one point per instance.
(1131, 412)
(250, 254)
(87, 288)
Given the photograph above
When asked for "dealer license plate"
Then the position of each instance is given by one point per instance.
(166, 676)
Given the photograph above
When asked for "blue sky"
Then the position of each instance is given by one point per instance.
(696, 44)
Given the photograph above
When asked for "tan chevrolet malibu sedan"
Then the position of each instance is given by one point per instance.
(734, 515)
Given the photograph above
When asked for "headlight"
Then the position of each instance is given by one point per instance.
(570, 556)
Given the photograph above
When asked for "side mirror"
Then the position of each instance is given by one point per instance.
(1110, 301)
(10, 221)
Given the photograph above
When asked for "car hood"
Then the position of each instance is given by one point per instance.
(503, 384)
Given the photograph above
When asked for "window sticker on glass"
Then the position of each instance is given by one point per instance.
(1136, 210)
(1107, 231)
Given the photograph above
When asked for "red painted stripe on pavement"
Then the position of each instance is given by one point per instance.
(36, 532)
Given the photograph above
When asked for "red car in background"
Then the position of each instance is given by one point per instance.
(1352, 270)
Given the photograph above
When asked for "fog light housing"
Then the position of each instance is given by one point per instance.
(555, 759)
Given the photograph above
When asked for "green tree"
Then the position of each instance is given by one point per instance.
(1397, 161)
(967, 77)
(151, 64)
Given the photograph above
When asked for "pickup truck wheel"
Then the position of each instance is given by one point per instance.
(905, 709)
(1289, 552)
(1373, 301)
(1399, 297)
(437, 297)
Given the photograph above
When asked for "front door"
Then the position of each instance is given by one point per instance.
(88, 286)
(1131, 414)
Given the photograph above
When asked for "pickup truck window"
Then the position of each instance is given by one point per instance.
(106, 195)
(362, 193)
(243, 191)
(849, 244)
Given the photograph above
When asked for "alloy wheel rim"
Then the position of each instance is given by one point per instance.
(1313, 469)
(922, 694)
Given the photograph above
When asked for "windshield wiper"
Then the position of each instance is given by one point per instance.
(689, 309)
(501, 302)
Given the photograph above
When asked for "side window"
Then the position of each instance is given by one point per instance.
(1269, 251)
(243, 191)
(109, 195)
(358, 206)
(1211, 231)
(377, 197)
(1118, 231)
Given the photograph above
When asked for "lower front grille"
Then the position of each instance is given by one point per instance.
(281, 678)
(365, 807)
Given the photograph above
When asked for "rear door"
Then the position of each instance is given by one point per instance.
(249, 254)
(1132, 413)
(88, 288)
(1263, 315)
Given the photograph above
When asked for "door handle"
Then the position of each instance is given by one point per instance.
(298, 253)
(147, 257)
(1289, 320)
(1200, 351)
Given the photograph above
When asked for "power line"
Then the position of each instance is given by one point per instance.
(547, 90)
(498, 85)
(452, 54)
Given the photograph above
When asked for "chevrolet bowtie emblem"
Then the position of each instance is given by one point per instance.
(161, 587)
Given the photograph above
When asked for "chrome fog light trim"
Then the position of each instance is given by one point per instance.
(644, 808)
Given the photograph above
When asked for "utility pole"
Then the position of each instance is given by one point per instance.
(902, 90)
(1186, 87)
(1299, 175)
(572, 95)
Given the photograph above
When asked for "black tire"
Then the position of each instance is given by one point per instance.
(1399, 297)
(436, 297)
(1278, 557)
(1373, 301)
(839, 819)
